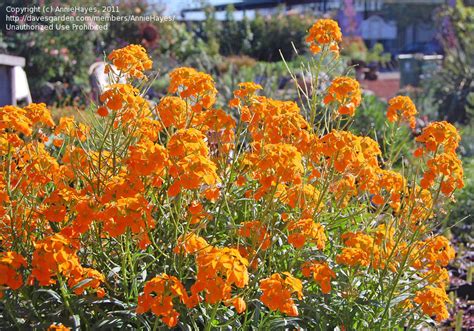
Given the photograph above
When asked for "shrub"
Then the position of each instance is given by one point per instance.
(181, 215)
(453, 85)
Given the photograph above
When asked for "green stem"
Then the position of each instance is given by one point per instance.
(211, 319)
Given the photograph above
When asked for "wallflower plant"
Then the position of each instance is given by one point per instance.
(185, 216)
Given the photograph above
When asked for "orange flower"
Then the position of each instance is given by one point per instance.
(69, 127)
(404, 106)
(191, 165)
(224, 262)
(321, 272)
(278, 290)
(325, 32)
(160, 295)
(125, 100)
(449, 167)
(38, 113)
(10, 263)
(276, 163)
(433, 302)
(360, 250)
(437, 276)
(303, 196)
(55, 255)
(187, 142)
(58, 327)
(346, 93)
(344, 189)
(246, 89)
(127, 212)
(218, 127)
(257, 233)
(15, 118)
(93, 277)
(263, 113)
(238, 303)
(348, 152)
(218, 270)
(306, 230)
(433, 252)
(191, 244)
(172, 111)
(198, 86)
(245, 93)
(352, 256)
(147, 158)
(440, 134)
(394, 184)
(131, 60)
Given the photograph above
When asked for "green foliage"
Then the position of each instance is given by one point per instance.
(453, 86)
(263, 37)
(461, 216)
(355, 49)
(370, 117)
(408, 13)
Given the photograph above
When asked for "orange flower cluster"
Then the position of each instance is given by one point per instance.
(16, 119)
(277, 291)
(125, 101)
(275, 164)
(191, 165)
(349, 152)
(197, 86)
(346, 93)
(306, 230)
(439, 135)
(219, 130)
(261, 115)
(321, 272)
(126, 208)
(431, 256)
(442, 139)
(257, 233)
(92, 278)
(373, 250)
(449, 167)
(173, 111)
(131, 60)
(158, 296)
(191, 244)
(39, 114)
(357, 251)
(10, 263)
(147, 158)
(55, 255)
(58, 327)
(68, 127)
(23, 120)
(303, 196)
(401, 107)
(325, 32)
(245, 95)
(344, 189)
(433, 302)
(218, 270)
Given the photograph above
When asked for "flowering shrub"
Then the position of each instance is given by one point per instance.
(180, 215)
